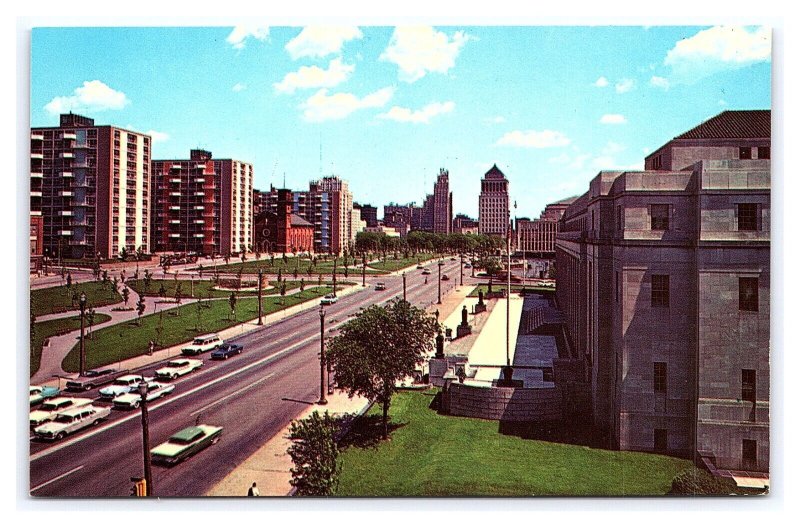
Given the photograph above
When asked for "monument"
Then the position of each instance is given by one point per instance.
(464, 328)
(480, 307)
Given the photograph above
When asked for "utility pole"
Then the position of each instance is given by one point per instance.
(148, 474)
(404, 286)
(440, 264)
(322, 389)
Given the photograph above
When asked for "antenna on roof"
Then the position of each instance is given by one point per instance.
(284, 179)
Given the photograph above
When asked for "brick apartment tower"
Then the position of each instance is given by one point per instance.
(90, 185)
(442, 203)
(202, 205)
(493, 211)
(664, 279)
(342, 233)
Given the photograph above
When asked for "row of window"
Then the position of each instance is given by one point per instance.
(746, 217)
(748, 381)
(659, 291)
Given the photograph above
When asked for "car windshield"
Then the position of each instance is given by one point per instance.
(120, 382)
(175, 364)
(50, 406)
(63, 419)
(198, 341)
(93, 373)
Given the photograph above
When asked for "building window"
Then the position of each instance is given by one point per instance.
(620, 226)
(748, 294)
(659, 290)
(747, 216)
(749, 385)
(763, 152)
(749, 452)
(660, 439)
(660, 377)
(659, 217)
(745, 152)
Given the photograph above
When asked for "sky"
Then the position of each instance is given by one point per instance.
(386, 107)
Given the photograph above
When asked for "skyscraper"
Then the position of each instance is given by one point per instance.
(493, 211)
(442, 203)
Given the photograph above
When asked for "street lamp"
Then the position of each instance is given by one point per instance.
(440, 264)
(148, 475)
(260, 276)
(461, 268)
(322, 388)
(404, 286)
(82, 303)
(508, 371)
(364, 272)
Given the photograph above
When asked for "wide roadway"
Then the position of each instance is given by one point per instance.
(252, 396)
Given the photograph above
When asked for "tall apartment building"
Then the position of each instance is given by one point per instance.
(493, 210)
(91, 186)
(202, 205)
(663, 275)
(368, 213)
(442, 203)
(341, 203)
(539, 236)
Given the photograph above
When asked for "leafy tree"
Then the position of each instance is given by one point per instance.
(302, 284)
(162, 291)
(140, 307)
(69, 280)
(115, 282)
(283, 292)
(105, 278)
(279, 275)
(178, 296)
(123, 254)
(232, 303)
(314, 454)
(90, 320)
(148, 277)
(319, 281)
(125, 295)
(378, 348)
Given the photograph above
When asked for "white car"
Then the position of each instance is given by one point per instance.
(178, 367)
(72, 420)
(202, 344)
(52, 407)
(155, 390)
(328, 299)
(123, 384)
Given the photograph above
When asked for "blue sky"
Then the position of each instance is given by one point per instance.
(389, 106)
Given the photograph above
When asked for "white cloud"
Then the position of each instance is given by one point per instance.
(240, 34)
(420, 50)
(93, 96)
(323, 107)
(499, 119)
(315, 77)
(534, 139)
(718, 49)
(625, 85)
(406, 115)
(613, 118)
(239, 87)
(659, 82)
(158, 137)
(601, 82)
(321, 41)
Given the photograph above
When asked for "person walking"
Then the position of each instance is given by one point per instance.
(253, 491)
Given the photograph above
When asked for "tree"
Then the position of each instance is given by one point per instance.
(162, 291)
(279, 275)
(63, 274)
(123, 254)
(125, 295)
(283, 292)
(198, 326)
(378, 348)
(302, 284)
(148, 277)
(69, 280)
(115, 282)
(140, 307)
(105, 278)
(232, 303)
(178, 296)
(314, 454)
(90, 320)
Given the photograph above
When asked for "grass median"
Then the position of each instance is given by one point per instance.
(290, 265)
(436, 455)
(59, 299)
(176, 325)
(391, 264)
(51, 328)
(496, 287)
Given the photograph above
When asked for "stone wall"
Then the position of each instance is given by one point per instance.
(504, 404)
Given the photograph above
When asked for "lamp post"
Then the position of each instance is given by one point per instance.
(148, 475)
(82, 303)
(440, 264)
(404, 286)
(322, 388)
(508, 371)
(260, 277)
(364, 272)
(461, 268)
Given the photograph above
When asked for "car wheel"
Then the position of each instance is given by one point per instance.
(96, 422)
(174, 376)
(239, 352)
(215, 440)
(136, 404)
(88, 387)
(60, 435)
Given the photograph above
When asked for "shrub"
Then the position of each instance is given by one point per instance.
(697, 481)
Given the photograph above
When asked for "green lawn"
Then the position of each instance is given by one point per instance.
(435, 455)
(390, 264)
(292, 263)
(514, 288)
(126, 340)
(205, 288)
(51, 328)
(58, 299)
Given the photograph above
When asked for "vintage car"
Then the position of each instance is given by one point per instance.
(94, 378)
(124, 384)
(71, 420)
(50, 408)
(175, 368)
(40, 393)
(185, 443)
(202, 344)
(226, 350)
(155, 390)
(328, 299)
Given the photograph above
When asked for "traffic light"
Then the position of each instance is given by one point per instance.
(139, 487)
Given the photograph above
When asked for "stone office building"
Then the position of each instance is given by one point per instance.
(663, 275)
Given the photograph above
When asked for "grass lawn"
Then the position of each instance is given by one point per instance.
(205, 288)
(125, 340)
(515, 288)
(435, 455)
(390, 264)
(51, 328)
(287, 268)
(58, 299)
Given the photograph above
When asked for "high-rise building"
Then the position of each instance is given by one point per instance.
(368, 213)
(91, 186)
(493, 211)
(342, 234)
(539, 236)
(664, 279)
(442, 203)
(202, 205)
(463, 224)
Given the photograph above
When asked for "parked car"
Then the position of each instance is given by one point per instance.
(202, 344)
(419, 266)
(445, 277)
(185, 443)
(452, 259)
(226, 350)
(380, 286)
(426, 271)
(94, 378)
(71, 420)
(176, 368)
(52, 407)
(467, 265)
(40, 393)
(155, 390)
(328, 299)
(123, 384)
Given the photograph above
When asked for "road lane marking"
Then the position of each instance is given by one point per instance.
(64, 475)
(237, 392)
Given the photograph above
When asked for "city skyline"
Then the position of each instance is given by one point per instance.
(550, 105)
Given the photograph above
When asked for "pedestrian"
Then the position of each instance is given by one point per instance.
(253, 491)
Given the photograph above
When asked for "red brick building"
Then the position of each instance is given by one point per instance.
(283, 231)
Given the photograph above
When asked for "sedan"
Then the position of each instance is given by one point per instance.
(328, 299)
(178, 367)
(155, 390)
(380, 286)
(445, 277)
(226, 350)
(426, 271)
(71, 420)
(124, 384)
(185, 443)
(52, 407)
(40, 393)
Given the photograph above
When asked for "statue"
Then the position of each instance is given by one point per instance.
(464, 315)
(439, 346)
